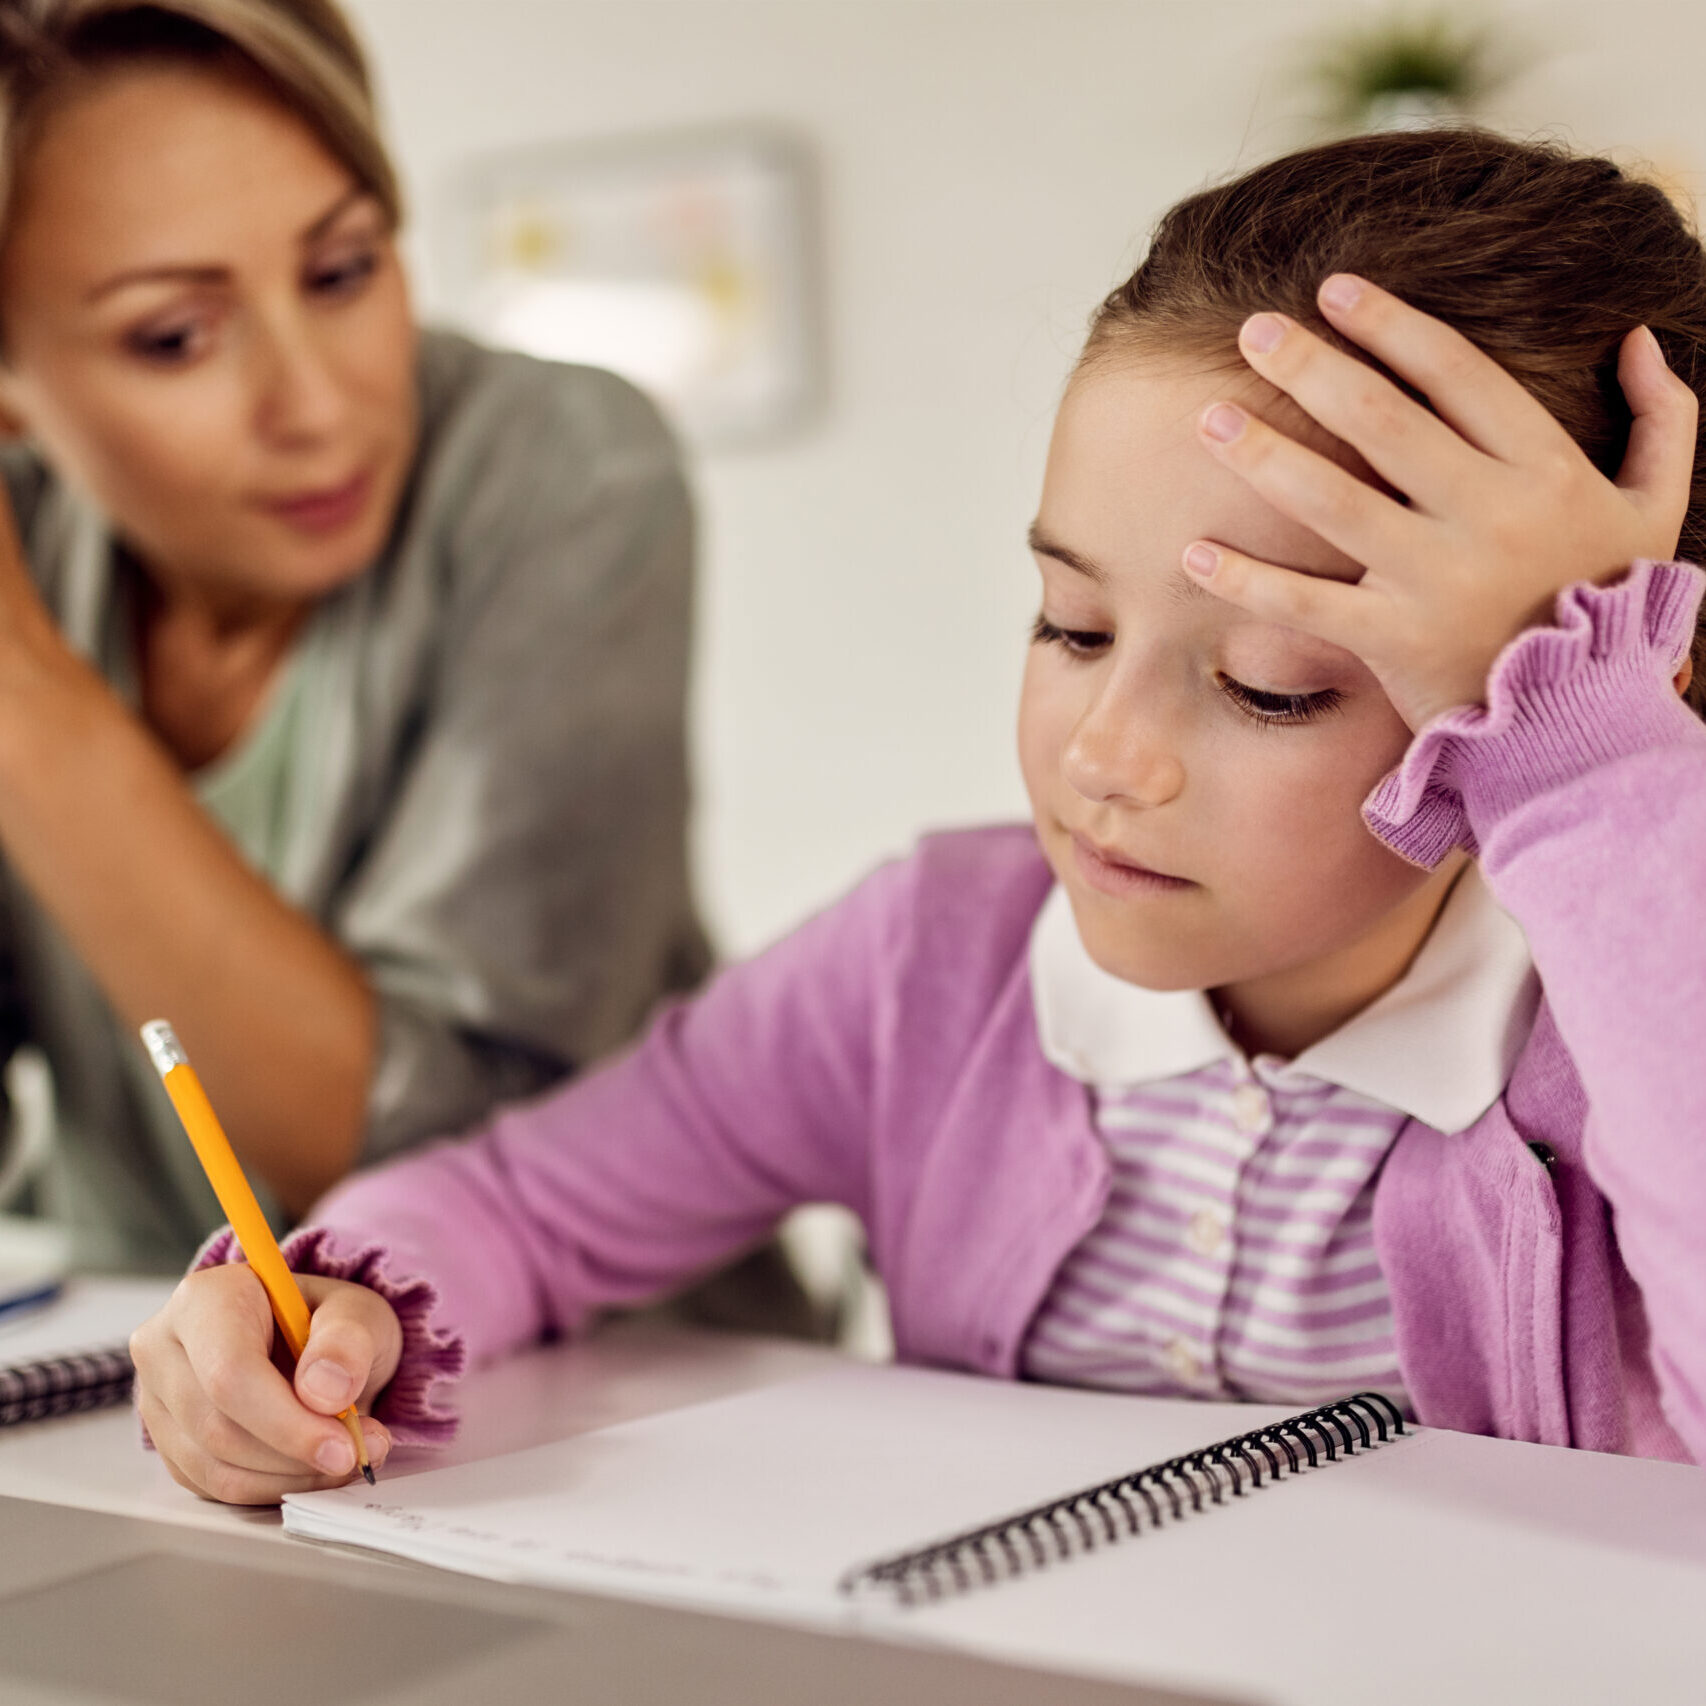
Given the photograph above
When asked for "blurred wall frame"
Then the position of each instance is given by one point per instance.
(685, 261)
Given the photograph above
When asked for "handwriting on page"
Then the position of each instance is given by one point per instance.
(414, 1522)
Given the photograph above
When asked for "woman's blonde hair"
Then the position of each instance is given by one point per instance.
(301, 52)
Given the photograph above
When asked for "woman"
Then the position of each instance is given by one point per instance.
(341, 667)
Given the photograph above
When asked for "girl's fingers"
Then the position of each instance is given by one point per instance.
(1365, 524)
(1468, 389)
(1330, 610)
(354, 1341)
(226, 1422)
(222, 1438)
(1658, 466)
(228, 1351)
(211, 1454)
(193, 1466)
(1409, 448)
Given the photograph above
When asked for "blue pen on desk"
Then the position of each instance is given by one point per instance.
(37, 1297)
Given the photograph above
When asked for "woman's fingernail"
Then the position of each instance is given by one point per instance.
(1341, 291)
(1200, 560)
(1262, 333)
(1658, 348)
(336, 1457)
(1223, 422)
(328, 1384)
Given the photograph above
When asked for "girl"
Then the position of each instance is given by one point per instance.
(1231, 1074)
(341, 667)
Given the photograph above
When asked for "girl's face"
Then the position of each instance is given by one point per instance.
(206, 328)
(1195, 774)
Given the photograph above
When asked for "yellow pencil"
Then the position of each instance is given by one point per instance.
(213, 1149)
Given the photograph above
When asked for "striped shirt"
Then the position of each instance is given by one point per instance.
(1235, 1254)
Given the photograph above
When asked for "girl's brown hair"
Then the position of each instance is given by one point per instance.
(301, 52)
(1545, 259)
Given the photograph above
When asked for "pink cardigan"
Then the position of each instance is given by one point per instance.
(1547, 1266)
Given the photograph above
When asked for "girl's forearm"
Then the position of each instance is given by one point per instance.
(98, 823)
(1584, 784)
(1615, 921)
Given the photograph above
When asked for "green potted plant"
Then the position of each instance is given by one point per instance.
(1408, 70)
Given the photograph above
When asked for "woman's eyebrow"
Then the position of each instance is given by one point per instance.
(183, 274)
(355, 193)
(190, 272)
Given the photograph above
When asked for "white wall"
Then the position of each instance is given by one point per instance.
(988, 168)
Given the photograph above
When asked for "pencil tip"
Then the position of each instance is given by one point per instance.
(367, 1474)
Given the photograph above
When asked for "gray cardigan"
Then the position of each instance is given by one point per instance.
(486, 794)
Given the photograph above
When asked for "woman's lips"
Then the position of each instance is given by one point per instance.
(1112, 874)
(324, 510)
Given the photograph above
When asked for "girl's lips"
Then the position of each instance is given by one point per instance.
(1113, 875)
(325, 510)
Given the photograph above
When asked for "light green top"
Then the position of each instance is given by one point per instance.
(472, 774)
(248, 788)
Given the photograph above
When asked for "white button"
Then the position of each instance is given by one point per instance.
(1180, 1362)
(1251, 1109)
(1206, 1232)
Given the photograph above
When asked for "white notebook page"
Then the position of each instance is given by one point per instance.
(1372, 1579)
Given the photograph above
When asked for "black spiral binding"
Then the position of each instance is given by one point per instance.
(1116, 1510)
(58, 1386)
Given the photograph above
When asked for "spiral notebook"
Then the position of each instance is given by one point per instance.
(72, 1353)
(1135, 1502)
(861, 1488)
(857, 1499)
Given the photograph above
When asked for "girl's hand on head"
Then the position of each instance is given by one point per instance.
(1504, 510)
(227, 1423)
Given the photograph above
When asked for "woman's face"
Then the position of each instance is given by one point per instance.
(1165, 732)
(206, 328)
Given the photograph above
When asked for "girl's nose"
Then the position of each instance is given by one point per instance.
(1117, 755)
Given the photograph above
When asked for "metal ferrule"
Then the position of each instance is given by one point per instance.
(163, 1046)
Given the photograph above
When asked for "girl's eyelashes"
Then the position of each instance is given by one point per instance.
(1272, 708)
(1253, 702)
(1080, 642)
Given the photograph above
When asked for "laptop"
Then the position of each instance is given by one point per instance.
(104, 1610)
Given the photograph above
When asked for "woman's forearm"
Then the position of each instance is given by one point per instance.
(98, 823)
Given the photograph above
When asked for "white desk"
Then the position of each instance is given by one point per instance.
(1471, 1637)
(399, 1634)
(635, 1368)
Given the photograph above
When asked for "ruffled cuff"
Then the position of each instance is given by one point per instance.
(430, 1354)
(1561, 700)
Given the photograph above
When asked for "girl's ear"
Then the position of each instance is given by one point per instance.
(1684, 676)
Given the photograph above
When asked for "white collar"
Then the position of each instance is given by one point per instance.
(1439, 1045)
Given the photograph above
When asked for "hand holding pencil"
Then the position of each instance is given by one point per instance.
(227, 1422)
